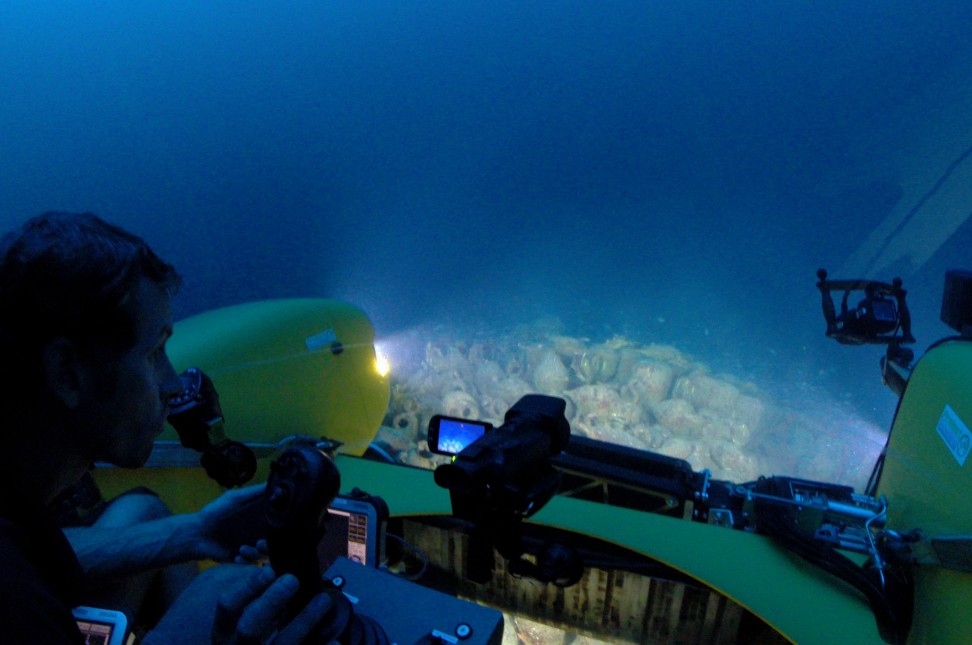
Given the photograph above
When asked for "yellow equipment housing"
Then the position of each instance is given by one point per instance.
(281, 368)
(925, 482)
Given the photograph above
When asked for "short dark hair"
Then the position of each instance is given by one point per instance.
(71, 275)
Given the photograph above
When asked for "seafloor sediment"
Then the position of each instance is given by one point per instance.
(643, 395)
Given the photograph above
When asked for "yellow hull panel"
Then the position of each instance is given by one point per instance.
(282, 368)
(927, 487)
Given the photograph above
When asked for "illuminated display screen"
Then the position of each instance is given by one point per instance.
(454, 436)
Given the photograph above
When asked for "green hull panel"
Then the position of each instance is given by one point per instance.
(273, 365)
(927, 487)
(801, 602)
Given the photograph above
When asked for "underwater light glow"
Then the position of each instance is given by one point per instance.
(382, 363)
(402, 350)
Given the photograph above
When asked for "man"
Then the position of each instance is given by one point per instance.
(84, 320)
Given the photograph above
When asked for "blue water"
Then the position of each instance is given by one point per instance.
(674, 172)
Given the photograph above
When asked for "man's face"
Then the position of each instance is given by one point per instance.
(125, 409)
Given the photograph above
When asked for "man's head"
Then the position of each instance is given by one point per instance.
(83, 306)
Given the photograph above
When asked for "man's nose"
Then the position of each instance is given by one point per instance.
(170, 382)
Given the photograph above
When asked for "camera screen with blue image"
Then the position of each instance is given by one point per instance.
(451, 435)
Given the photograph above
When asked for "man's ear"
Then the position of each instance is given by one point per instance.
(63, 371)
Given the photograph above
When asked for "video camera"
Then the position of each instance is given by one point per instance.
(878, 317)
(506, 469)
(498, 476)
(197, 416)
(882, 317)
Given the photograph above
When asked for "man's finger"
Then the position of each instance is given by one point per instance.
(304, 623)
(260, 617)
(249, 554)
(247, 585)
(250, 492)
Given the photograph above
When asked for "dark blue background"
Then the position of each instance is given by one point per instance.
(674, 171)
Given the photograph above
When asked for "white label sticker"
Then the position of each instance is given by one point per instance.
(321, 339)
(955, 434)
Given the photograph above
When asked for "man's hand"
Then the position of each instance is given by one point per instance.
(258, 553)
(215, 532)
(234, 518)
(249, 613)
(238, 605)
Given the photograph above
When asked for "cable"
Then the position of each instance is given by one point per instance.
(418, 552)
(882, 515)
(235, 367)
(891, 597)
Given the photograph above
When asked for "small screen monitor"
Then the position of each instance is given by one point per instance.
(451, 435)
(101, 626)
(353, 530)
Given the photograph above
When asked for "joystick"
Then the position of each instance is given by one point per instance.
(303, 482)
